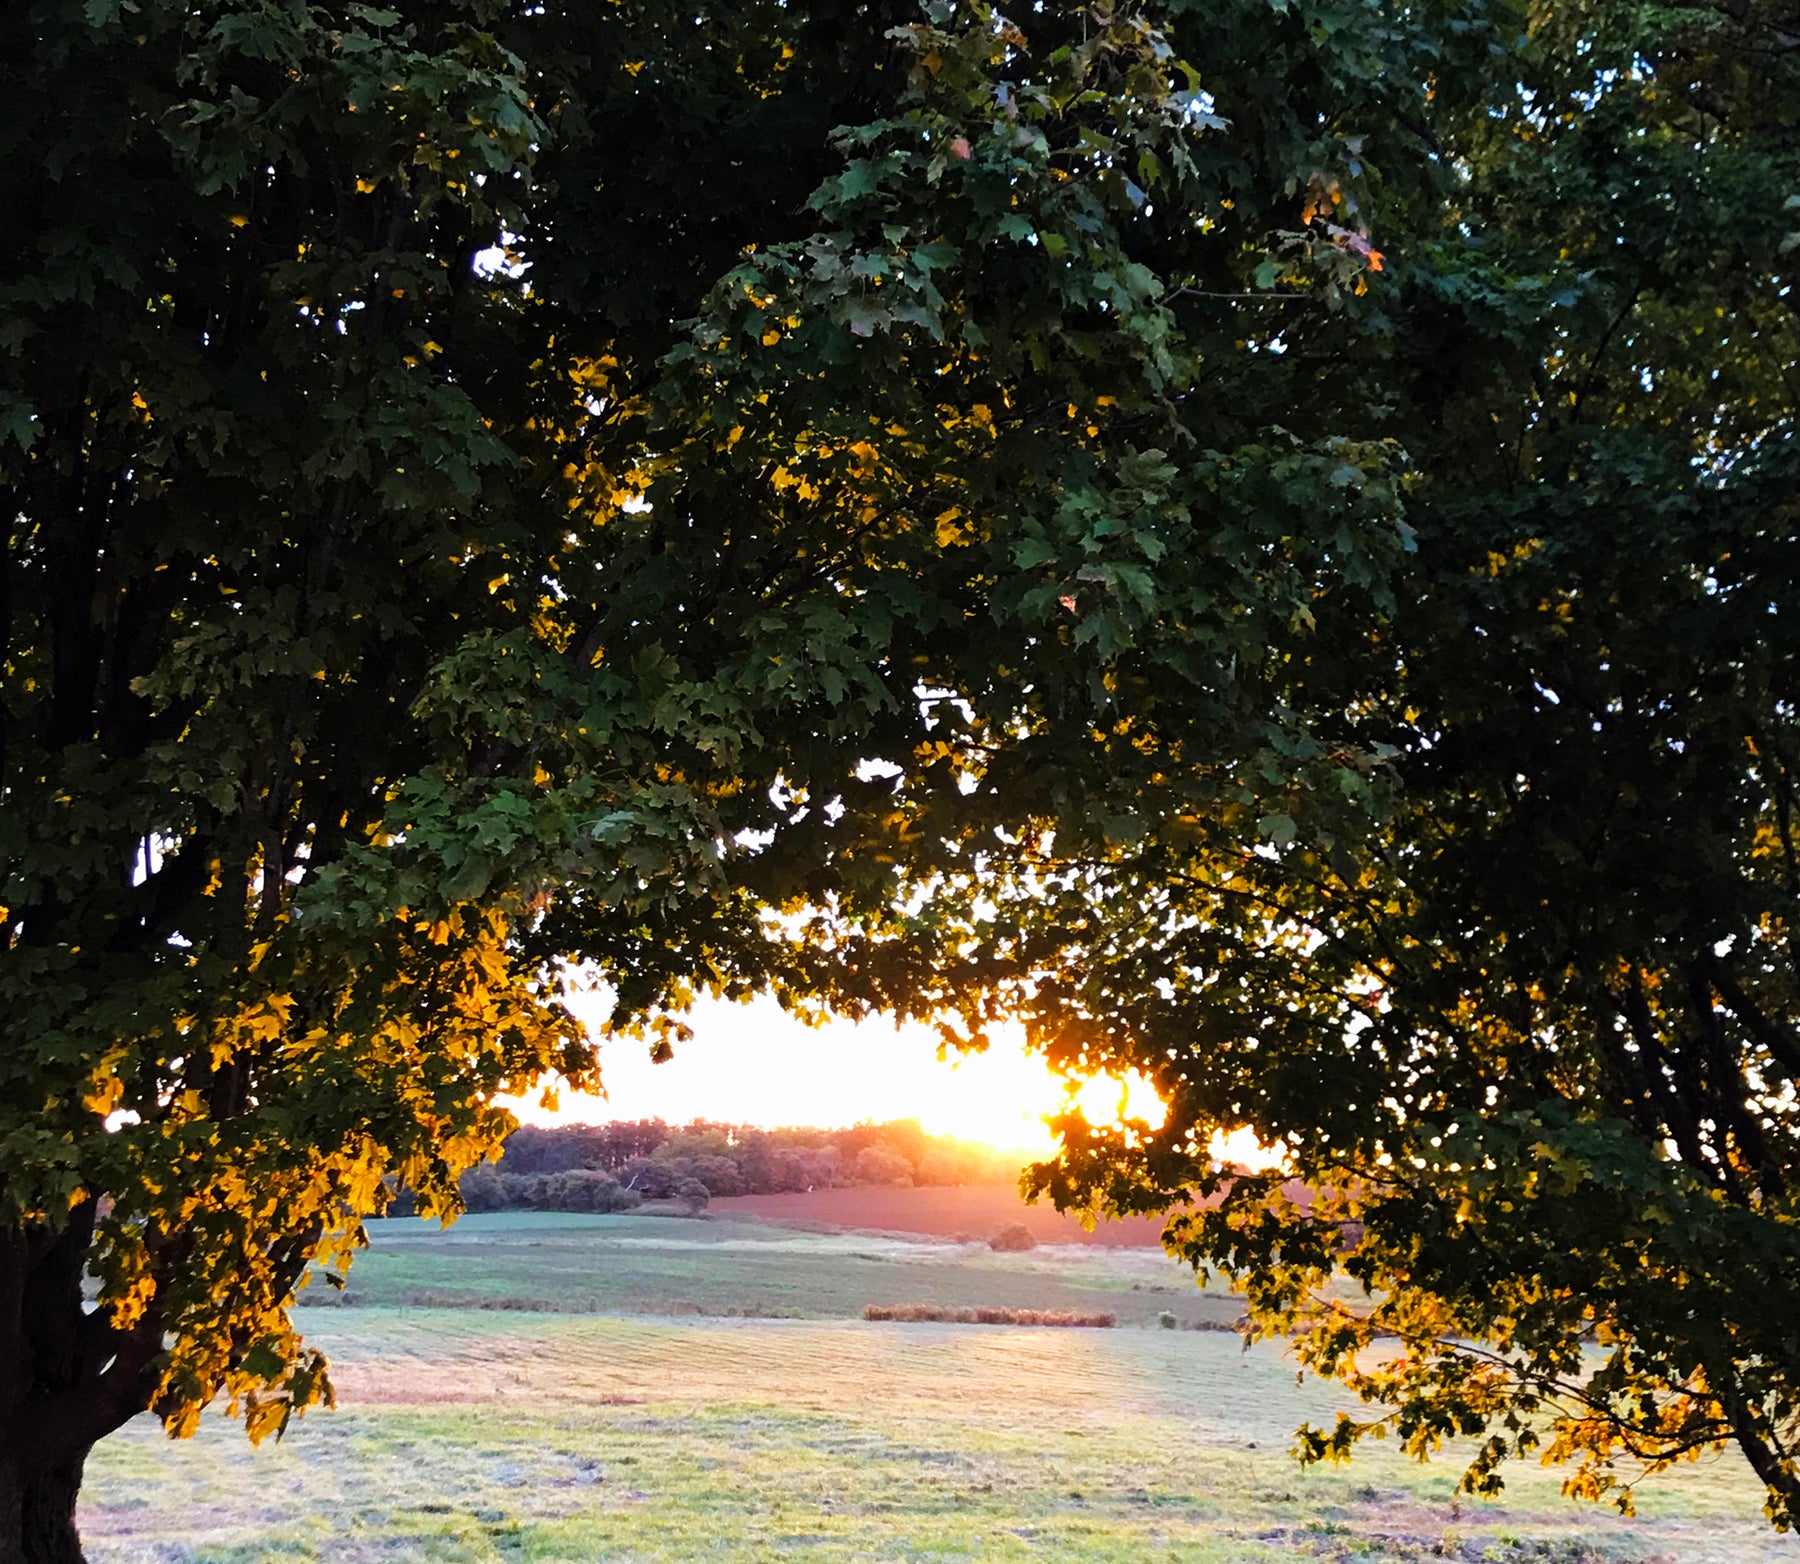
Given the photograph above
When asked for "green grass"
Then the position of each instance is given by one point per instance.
(481, 1435)
(631, 1264)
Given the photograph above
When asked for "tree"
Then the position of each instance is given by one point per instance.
(881, 1164)
(905, 511)
(480, 482)
(583, 1189)
(1471, 889)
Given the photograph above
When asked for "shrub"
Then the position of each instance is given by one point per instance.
(1011, 1238)
(880, 1164)
(987, 1315)
(531, 1192)
(486, 1188)
(693, 1195)
(948, 1165)
(742, 1160)
(652, 1179)
(720, 1175)
(585, 1189)
(577, 1189)
(803, 1168)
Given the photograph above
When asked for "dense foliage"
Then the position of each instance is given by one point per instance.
(1465, 876)
(585, 1190)
(480, 480)
(1255, 535)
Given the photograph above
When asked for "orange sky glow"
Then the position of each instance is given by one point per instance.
(753, 1064)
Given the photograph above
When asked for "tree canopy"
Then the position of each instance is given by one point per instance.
(1463, 873)
(1254, 535)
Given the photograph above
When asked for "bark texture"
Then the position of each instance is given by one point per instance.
(37, 1512)
(66, 1381)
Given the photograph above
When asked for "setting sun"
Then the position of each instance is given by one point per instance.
(754, 1064)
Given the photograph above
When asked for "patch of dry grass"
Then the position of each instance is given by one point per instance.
(914, 1313)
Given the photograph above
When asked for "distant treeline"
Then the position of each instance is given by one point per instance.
(613, 1167)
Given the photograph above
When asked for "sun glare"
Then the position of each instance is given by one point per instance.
(754, 1064)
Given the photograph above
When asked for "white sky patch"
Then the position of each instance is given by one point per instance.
(755, 1064)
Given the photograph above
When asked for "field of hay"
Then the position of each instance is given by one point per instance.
(488, 1433)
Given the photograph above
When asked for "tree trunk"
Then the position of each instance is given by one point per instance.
(1767, 1456)
(66, 1380)
(37, 1513)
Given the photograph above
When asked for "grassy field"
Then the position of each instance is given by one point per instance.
(478, 1434)
(939, 1211)
(735, 1266)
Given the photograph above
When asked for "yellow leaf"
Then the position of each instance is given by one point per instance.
(105, 1097)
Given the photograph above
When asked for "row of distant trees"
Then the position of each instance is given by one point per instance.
(614, 1167)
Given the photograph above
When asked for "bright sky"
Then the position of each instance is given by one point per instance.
(754, 1064)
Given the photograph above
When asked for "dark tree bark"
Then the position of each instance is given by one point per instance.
(66, 1381)
(37, 1511)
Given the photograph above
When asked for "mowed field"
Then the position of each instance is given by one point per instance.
(588, 1430)
(739, 1266)
(941, 1212)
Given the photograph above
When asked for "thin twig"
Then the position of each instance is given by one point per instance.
(1252, 298)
